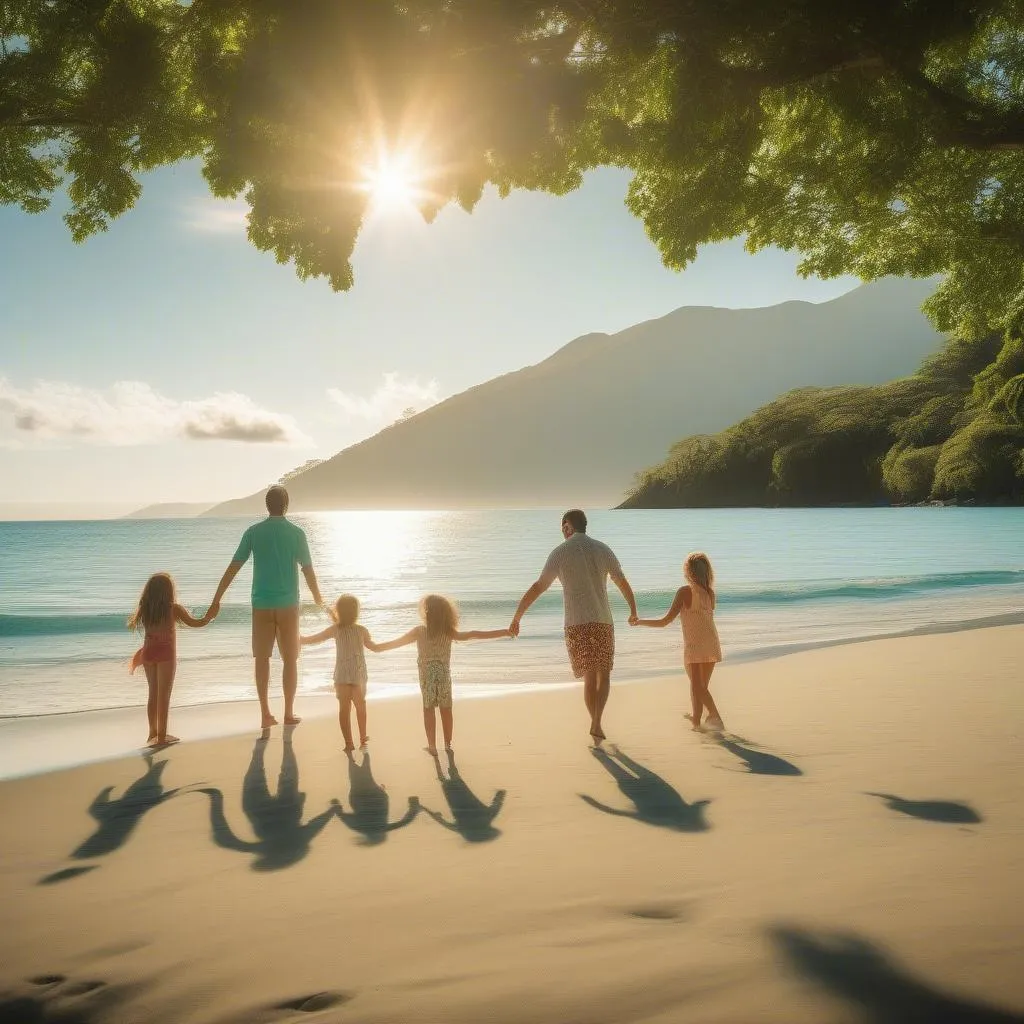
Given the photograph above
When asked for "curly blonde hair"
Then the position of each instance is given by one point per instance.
(697, 569)
(346, 610)
(439, 615)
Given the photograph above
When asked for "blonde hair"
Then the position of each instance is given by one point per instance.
(156, 603)
(346, 610)
(697, 569)
(439, 615)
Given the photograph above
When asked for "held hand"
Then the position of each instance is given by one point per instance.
(513, 629)
(509, 633)
(213, 611)
(634, 619)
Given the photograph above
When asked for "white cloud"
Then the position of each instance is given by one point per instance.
(131, 413)
(218, 216)
(390, 400)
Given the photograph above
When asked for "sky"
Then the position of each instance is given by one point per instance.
(168, 360)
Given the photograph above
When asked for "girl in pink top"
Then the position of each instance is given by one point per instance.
(158, 614)
(695, 604)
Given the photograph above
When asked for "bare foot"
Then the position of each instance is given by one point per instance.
(268, 721)
(695, 725)
(151, 742)
(348, 748)
(363, 740)
(715, 724)
(292, 720)
(432, 751)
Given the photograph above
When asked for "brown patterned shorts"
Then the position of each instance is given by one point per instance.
(591, 647)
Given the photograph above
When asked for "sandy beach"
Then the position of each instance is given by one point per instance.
(851, 851)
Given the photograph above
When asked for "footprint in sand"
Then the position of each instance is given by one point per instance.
(57, 999)
(289, 1009)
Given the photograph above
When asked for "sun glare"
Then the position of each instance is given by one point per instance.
(392, 184)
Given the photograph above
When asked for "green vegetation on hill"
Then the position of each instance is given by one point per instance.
(953, 430)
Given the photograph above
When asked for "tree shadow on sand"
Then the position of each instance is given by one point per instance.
(471, 817)
(370, 805)
(757, 762)
(117, 819)
(656, 802)
(946, 811)
(276, 819)
(876, 985)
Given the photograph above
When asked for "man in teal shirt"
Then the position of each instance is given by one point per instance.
(278, 549)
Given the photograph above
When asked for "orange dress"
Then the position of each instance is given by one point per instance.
(700, 635)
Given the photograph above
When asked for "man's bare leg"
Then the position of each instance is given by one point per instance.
(590, 695)
(263, 691)
(603, 685)
(290, 683)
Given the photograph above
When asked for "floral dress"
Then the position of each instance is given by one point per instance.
(434, 660)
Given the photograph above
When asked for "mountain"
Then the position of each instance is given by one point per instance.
(574, 428)
(169, 510)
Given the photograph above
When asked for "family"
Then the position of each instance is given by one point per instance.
(279, 550)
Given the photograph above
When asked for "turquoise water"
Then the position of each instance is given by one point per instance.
(786, 578)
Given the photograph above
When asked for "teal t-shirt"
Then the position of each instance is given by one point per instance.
(278, 548)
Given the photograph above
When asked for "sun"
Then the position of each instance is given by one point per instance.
(392, 184)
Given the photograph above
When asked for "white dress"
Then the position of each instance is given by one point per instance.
(349, 658)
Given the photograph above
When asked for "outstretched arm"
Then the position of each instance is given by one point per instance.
(368, 641)
(314, 587)
(482, 634)
(181, 615)
(669, 616)
(608, 810)
(225, 581)
(406, 819)
(219, 827)
(318, 638)
(528, 598)
(402, 641)
(315, 826)
(627, 592)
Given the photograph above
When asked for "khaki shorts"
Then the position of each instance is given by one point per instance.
(276, 624)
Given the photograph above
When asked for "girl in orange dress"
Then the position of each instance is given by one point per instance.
(695, 604)
(157, 614)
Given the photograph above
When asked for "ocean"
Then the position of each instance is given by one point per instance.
(786, 579)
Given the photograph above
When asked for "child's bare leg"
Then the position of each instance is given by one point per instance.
(696, 695)
(359, 699)
(164, 684)
(430, 728)
(447, 723)
(709, 702)
(345, 715)
(151, 703)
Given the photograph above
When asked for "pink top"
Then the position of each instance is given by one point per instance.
(700, 636)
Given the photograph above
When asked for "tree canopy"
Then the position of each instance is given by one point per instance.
(881, 137)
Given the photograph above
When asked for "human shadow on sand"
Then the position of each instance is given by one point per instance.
(757, 762)
(370, 804)
(117, 819)
(471, 817)
(883, 992)
(275, 819)
(947, 811)
(656, 802)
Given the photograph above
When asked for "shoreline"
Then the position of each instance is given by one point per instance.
(844, 853)
(28, 742)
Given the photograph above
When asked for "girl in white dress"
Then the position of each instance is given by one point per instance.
(350, 639)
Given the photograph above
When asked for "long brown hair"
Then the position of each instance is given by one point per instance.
(156, 605)
(697, 569)
(346, 610)
(439, 615)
